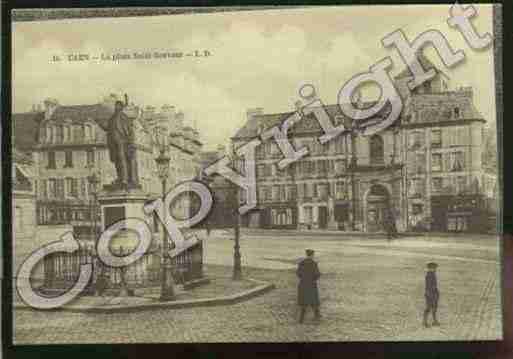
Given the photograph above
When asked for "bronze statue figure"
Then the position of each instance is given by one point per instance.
(120, 141)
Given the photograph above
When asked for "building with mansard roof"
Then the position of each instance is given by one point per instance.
(426, 169)
(68, 146)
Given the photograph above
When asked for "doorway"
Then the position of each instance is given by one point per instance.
(323, 217)
(378, 200)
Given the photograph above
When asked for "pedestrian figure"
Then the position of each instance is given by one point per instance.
(390, 227)
(308, 293)
(431, 294)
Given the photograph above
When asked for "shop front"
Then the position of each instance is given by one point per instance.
(462, 213)
(279, 216)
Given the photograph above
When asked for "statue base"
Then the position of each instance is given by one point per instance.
(121, 187)
(119, 204)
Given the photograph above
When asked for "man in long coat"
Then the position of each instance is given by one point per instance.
(389, 224)
(308, 293)
(120, 138)
(431, 294)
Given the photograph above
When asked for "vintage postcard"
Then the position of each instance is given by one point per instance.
(255, 175)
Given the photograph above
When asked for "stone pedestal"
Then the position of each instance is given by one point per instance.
(116, 205)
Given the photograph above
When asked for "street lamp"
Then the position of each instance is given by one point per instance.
(349, 124)
(234, 193)
(93, 182)
(237, 270)
(167, 290)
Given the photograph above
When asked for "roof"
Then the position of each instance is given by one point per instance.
(308, 124)
(444, 109)
(25, 128)
(80, 113)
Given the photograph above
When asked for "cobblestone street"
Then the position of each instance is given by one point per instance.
(370, 290)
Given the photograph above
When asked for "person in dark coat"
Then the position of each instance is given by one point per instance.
(389, 225)
(431, 294)
(308, 293)
(120, 138)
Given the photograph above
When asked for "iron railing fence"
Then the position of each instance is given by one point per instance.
(61, 270)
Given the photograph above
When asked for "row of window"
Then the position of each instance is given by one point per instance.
(303, 168)
(67, 133)
(282, 217)
(61, 188)
(284, 193)
(454, 185)
(51, 163)
(440, 162)
(337, 145)
(376, 148)
(446, 137)
(58, 215)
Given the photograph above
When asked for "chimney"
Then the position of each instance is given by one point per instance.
(298, 105)
(168, 111)
(252, 112)
(467, 91)
(221, 150)
(179, 118)
(50, 105)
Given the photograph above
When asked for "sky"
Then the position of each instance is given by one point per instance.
(258, 59)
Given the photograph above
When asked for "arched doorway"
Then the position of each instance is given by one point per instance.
(376, 207)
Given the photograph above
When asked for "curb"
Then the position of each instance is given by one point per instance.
(263, 288)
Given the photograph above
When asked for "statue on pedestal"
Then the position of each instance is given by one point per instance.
(122, 149)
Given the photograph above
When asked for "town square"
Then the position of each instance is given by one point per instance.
(223, 190)
(370, 289)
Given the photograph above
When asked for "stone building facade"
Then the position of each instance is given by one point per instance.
(69, 146)
(24, 197)
(23, 206)
(425, 170)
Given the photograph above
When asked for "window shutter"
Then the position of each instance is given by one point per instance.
(83, 187)
(446, 158)
(421, 138)
(44, 191)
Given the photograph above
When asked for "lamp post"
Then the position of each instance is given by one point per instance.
(93, 182)
(349, 124)
(167, 291)
(237, 270)
(234, 193)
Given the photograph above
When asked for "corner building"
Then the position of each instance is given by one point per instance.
(426, 169)
(67, 146)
